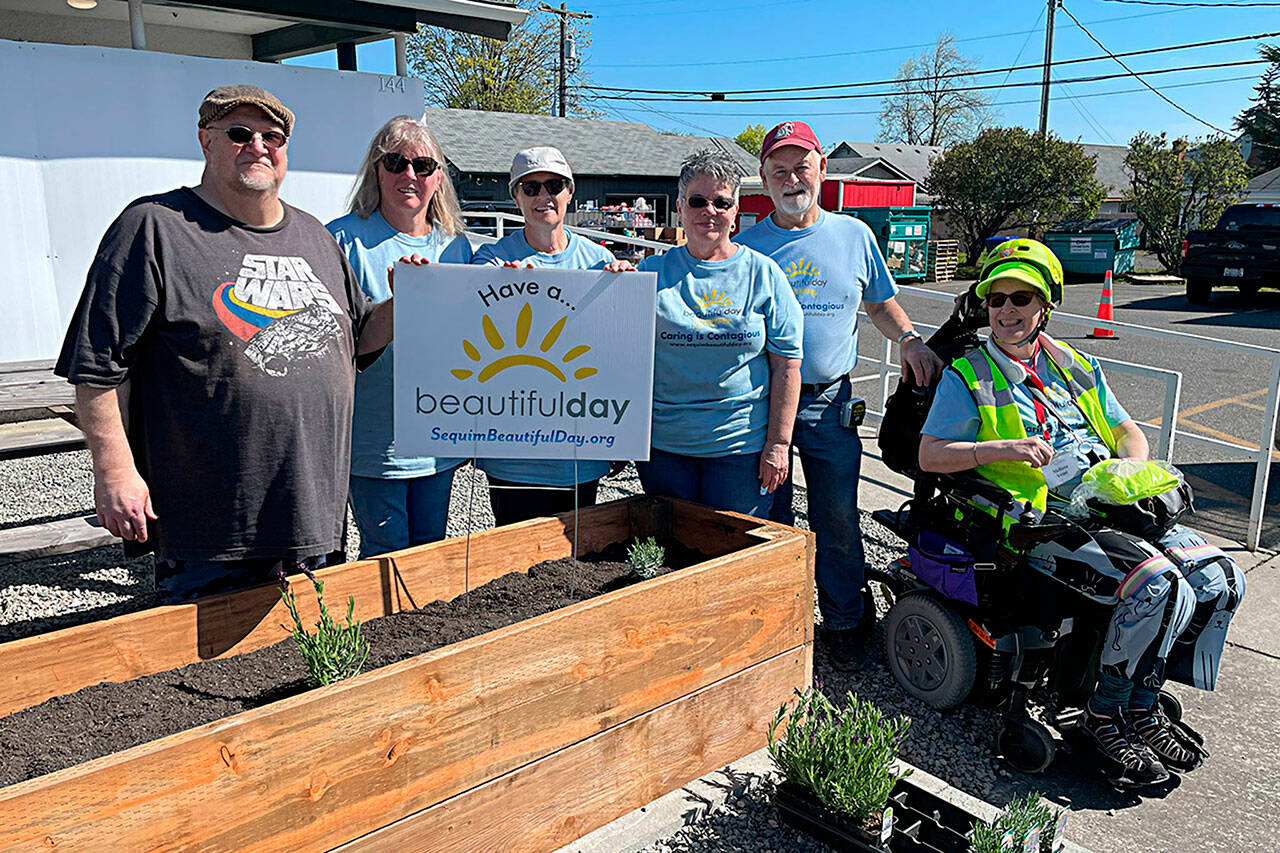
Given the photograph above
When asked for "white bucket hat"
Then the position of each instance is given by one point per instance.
(543, 158)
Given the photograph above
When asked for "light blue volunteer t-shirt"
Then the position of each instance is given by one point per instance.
(833, 266)
(954, 414)
(716, 320)
(371, 245)
(579, 254)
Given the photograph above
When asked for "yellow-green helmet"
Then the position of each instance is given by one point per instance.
(1028, 261)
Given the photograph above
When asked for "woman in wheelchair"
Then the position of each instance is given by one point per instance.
(1032, 415)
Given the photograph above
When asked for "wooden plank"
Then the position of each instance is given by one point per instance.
(65, 536)
(335, 763)
(32, 385)
(33, 438)
(558, 799)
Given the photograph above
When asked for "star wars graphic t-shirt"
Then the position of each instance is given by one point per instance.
(239, 346)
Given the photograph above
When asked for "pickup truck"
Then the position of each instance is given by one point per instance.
(1243, 250)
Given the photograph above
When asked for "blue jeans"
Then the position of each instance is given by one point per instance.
(724, 482)
(395, 514)
(832, 459)
(178, 581)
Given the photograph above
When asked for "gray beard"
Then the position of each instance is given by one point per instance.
(256, 183)
(788, 205)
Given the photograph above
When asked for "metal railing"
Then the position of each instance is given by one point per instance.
(1167, 428)
(501, 218)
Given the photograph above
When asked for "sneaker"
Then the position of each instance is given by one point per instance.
(1125, 765)
(1172, 747)
(848, 646)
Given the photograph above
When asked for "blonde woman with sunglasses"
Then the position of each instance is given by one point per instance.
(403, 205)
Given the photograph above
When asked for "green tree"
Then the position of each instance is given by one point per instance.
(1262, 120)
(1008, 177)
(520, 75)
(929, 106)
(752, 138)
(1179, 186)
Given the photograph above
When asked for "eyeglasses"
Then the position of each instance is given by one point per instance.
(1021, 299)
(397, 163)
(554, 186)
(241, 135)
(697, 202)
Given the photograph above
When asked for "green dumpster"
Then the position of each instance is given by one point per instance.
(1093, 246)
(903, 234)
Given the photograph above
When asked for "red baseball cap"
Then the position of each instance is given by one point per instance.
(789, 133)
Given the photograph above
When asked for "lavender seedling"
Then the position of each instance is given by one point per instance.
(646, 557)
(844, 756)
(1021, 816)
(334, 651)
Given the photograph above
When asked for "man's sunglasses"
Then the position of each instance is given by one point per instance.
(554, 186)
(241, 135)
(397, 163)
(697, 202)
(1021, 299)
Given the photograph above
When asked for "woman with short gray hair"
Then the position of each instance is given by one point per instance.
(726, 378)
(402, 205)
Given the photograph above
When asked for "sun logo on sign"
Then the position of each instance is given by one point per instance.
(713, 297)
(524, 358)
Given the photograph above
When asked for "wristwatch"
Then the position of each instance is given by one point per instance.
(909, 333)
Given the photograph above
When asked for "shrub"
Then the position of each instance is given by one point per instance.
(646, 556)
(845, 757)
(334, 651)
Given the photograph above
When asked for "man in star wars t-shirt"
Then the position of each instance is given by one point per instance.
(225, 326)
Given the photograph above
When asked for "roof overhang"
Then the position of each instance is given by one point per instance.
(284, 28)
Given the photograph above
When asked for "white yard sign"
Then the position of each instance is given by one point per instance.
(501, 362)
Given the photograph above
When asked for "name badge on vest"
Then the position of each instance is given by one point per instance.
(1064, 466)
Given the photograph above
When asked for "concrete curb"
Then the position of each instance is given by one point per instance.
(686, 806)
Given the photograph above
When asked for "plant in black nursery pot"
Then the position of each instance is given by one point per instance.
(1025, 819)
(844, 758)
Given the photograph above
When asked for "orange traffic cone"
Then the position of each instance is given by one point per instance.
(1105, 310)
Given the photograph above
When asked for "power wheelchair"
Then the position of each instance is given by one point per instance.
(970, 619)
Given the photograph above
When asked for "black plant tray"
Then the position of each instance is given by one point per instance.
(923, 822)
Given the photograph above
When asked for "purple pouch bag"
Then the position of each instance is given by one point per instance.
(945, 566)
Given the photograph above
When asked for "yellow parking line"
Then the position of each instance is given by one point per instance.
(1225, 401)
(1210, 431)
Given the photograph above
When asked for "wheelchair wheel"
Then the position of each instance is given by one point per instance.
(930, 651)
(1025, 745)
(1171, 705)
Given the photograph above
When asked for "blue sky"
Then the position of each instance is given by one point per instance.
(676, 44)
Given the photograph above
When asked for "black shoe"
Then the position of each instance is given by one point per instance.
(847, 647)
(1125, 764)
(1175, 747)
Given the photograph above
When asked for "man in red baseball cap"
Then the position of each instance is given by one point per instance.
(834, 266)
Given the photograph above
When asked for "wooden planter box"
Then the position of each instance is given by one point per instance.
(524, 738)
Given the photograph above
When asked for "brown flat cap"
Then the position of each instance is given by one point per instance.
(224, 99)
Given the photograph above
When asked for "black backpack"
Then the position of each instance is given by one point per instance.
(908, 406)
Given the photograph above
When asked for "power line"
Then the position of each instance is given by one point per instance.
(933, 77)
(861, 52)
(857, 95)
(1189, 5)
(775, 114)
(1139, 78)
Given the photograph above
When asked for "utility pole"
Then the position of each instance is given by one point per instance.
(1048, 63)
(564, 14)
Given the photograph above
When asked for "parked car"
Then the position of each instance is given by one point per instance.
(487, 225)
(1243, 250)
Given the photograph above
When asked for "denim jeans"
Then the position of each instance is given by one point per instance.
(395, 514)
(178, 581)
(724, 482)
(514, 502)
(832, 459)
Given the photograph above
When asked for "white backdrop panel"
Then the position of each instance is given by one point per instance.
(89, 129)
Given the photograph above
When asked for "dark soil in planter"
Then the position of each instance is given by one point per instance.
(108, 718)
